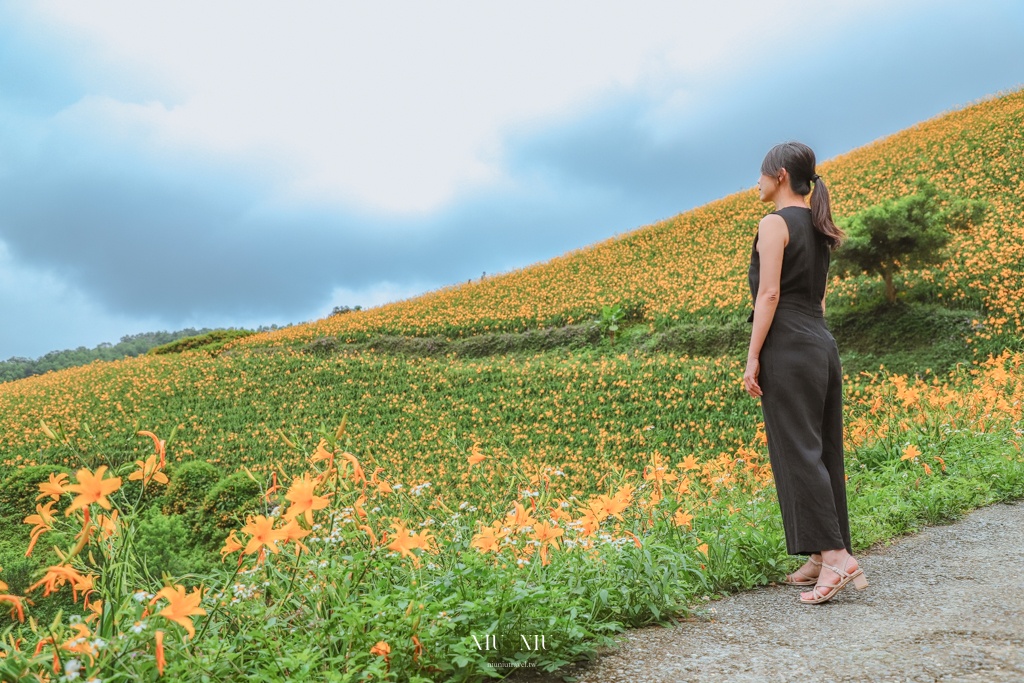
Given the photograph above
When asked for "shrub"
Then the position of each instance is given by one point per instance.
(166, 544)
(189, 484)
(211, 341)
(18, 493)
(229, 502)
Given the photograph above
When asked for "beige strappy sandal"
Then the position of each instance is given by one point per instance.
(808, 582)
(860, 582)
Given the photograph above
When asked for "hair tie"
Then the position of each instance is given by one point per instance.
(814, 178)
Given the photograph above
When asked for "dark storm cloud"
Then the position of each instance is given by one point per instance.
(146, 232)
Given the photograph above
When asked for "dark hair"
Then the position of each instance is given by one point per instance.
(798, 159)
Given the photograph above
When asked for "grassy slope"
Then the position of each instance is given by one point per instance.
(694, 265)
(688, 270)
(596, 412)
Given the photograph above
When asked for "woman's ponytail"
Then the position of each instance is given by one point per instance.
(821, 213)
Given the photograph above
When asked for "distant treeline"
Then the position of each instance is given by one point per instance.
(131, 345)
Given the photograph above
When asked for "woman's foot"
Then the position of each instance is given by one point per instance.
(828, 578)
(805, 575)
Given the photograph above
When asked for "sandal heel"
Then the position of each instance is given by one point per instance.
(860, 582)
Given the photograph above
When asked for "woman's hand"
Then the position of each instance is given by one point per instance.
(750, 377)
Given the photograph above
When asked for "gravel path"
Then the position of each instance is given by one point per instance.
(944, 604)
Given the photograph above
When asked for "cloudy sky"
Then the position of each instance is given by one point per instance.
(214, 163)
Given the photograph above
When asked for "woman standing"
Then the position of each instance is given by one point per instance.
(793, 366)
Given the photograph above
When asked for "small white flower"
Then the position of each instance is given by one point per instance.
(71, 669)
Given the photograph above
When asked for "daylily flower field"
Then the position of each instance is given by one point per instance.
(448, 518)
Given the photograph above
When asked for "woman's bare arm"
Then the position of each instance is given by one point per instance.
(772, 237)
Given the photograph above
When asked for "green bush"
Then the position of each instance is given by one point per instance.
(18, 492)
(166, 544)
(188, 486)
(229, 502)
(211, 341)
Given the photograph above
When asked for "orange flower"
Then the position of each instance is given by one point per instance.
(589, 523)
(96, 607)
(160, 446)
(607, 506)
(418, 649)
(489, 538)
(476, 455)
(547, 535)
(690, 463)
(293, 532)
(181, 607)
(148, 471)
(406, 541)
(322, 454)
(57, 576)
(262, 530)
(358, 506)
(92, 488)
(303, 500)
(107, 524)
(231, 544)
(682, 518)
(910, 452)
(17, 608)
(520, 517)
(55, 487)
(381, 649)
(82, 643)
(161, 662)
(42, 521)
(357, 470)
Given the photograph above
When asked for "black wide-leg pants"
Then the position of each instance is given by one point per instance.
(802, 403)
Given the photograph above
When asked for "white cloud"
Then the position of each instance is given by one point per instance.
(401, 106)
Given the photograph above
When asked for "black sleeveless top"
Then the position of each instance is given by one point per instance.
(805, 264)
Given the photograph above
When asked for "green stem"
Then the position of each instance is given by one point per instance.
(216, 608)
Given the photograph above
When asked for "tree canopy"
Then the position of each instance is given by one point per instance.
(907, 232)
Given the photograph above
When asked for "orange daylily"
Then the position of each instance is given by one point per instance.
(56, 576)
(293, 532)
(55, 487)
(381, 649)
(303, 500)
(92, 488)
(160, 445)
(263, 533)
(406, 541)
(42, 521)
(16, 601)
(161, 660)
(546, 534)
(181, 607)
(682, 518)
(107, 524)
(520, 517)
(148, 471)
(489, 538)
(910, 452)
(231, 544)
(476, 455)
(357, 470)
(690, 463)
